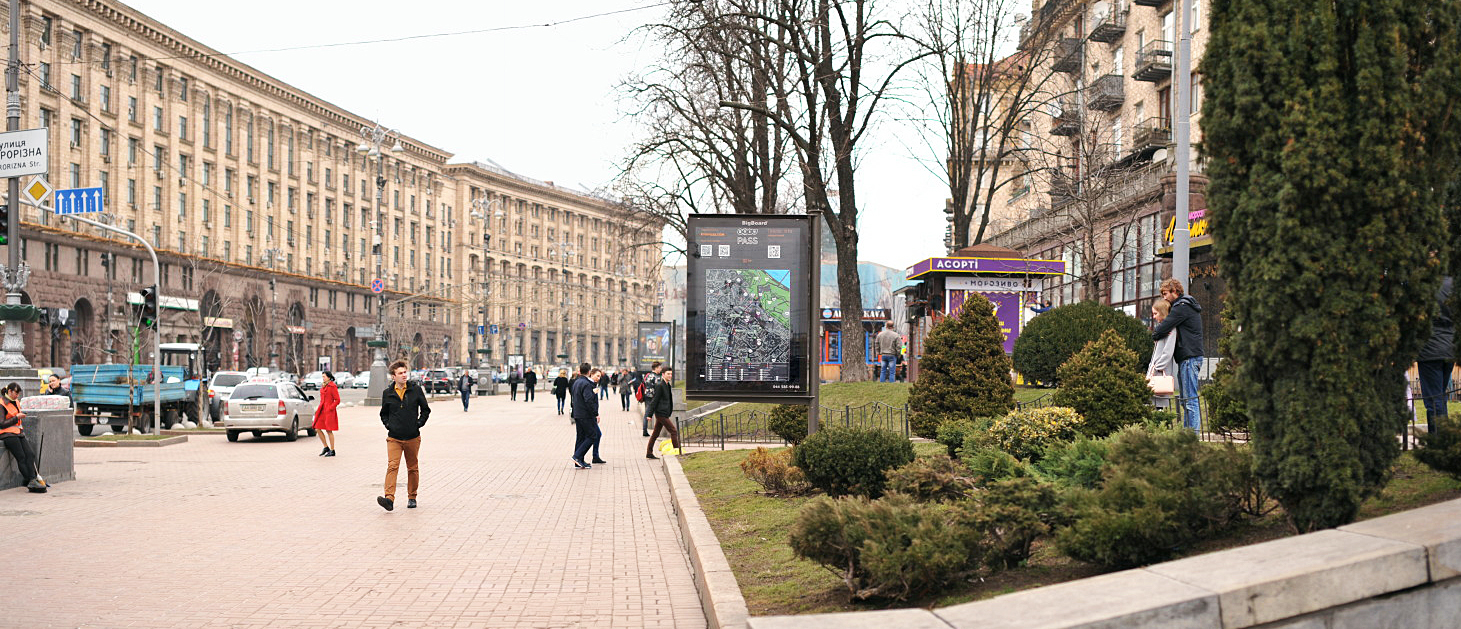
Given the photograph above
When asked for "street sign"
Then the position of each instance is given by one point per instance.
(481, 329)
(78, 201)
(494, 328)
(36, 192)
(377, 285)
(24, 152)
(364, 332)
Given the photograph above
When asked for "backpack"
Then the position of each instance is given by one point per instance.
(639, 393)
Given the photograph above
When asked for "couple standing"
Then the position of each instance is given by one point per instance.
(1178, 337)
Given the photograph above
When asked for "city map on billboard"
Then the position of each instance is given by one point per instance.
(747, 306)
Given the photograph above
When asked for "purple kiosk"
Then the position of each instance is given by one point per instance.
(1010, 281)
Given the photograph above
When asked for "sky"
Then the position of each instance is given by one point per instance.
(541, 101)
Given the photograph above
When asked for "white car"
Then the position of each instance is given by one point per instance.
(261, 406)
(313, 380)
(344, 380)
(362, 380)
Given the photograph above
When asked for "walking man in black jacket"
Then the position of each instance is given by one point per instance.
(1186, 318)
(403, 411)
(661, 407)
(585, 415)
(1433, 365)
(530, 385)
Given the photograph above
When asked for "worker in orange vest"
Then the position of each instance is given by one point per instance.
(12, 434)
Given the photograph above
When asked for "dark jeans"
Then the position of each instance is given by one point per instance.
(560, 404)
(512, 390)
(588, 437)
(668, 426)
(20, 451)
(528, 393)
(625, 397)
(466, 397)
(604, 392)
(1435, 380)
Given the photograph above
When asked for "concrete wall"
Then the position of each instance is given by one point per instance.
(50, 434)
(1402, 570)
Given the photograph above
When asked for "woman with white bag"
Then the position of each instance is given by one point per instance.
(1160, 374)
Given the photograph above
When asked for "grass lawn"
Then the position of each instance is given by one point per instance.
(753, 529)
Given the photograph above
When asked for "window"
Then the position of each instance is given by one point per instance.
(106, 141)
(207, 211)
(227, 216)
(183, 166)
(1195, 22)
(157, 197)
(182, 206)
(106, 98)
(132, 72)
(47, 24)
(1118, 62)
(228, 177)
(158, 79)
(1195, 107)
(157, 120)
(46, 117)
(207, 125)
(132, 109)
(132, 193)
(75, 44)
(75, 132)
(45, 74)
(183, 89)
(76, 93)
(75, 172)
(228, 130)
(183, 127)
(106, 57)
(207, 174)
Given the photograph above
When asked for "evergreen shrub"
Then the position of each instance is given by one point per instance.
(1075, 463)
(1442, 449)
(952, 433)
(1160, 492)
(774, 472)
(788, 421)
(963, 372)
(843, 461)
(1226, 412)
(1101, 383)
(936, 478)
(1053, 337)
(1009, 516)
(1025, 433)
(890, 548)
(990, 465)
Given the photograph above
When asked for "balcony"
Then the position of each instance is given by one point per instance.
(1110, 26)
(1106, 93)
(1062, 190)
(1067, 55)
(1067, 122)
(1151, 134)
(1154, 62)
(1151, 3)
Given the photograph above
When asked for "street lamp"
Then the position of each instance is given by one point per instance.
(372, 139)
(273, 256)
(563, 250)
(482, 206)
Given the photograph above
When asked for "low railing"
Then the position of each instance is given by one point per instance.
(753, 426)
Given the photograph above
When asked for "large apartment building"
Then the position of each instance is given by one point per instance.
(1099, 188)
(265, 204)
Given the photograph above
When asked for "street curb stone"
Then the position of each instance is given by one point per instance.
(150, 443)
(720, 595)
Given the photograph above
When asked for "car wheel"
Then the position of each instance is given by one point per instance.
(233, 435)
(293, 434)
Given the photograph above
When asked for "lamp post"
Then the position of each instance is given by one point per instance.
(482, 207)
(564, 250)
(372, 139)
(273, 256)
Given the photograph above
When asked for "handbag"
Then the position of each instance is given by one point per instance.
(1162, 385)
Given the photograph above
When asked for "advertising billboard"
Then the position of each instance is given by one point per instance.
(654, 341)
(748, 300)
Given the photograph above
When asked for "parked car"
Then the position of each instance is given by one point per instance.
(261, 406)
(343, 379)
(219, 387)
(312, 381)
(362, 380)
(284, 376)
(437, 381)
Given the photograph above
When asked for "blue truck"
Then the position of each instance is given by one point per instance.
(121, 396)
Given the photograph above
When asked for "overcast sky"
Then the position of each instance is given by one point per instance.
(539, 101)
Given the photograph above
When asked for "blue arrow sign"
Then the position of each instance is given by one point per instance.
(78, 201)
(481, 329)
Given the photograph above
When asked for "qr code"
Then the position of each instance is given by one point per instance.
(707, 250)
(773, 251)
(724, 251)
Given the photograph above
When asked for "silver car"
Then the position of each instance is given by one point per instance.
(268, 406)
(219, 387)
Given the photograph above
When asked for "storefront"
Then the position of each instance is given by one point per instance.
(873, 320)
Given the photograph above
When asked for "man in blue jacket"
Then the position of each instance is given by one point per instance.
(1186, 318)
(585, 414)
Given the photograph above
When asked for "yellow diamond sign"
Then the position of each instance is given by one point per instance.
(36, 192)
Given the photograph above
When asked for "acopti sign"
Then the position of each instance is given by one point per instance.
(24, 152)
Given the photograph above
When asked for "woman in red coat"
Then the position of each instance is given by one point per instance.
(326, 421)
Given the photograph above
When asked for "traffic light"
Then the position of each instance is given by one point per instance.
(4, 224)
(149, 308)
(486, 240)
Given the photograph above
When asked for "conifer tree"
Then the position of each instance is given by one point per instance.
(1330, 132)
(964, 372)
(1102, 384)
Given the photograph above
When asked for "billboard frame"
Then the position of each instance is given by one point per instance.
(802, 340)
(673, 344)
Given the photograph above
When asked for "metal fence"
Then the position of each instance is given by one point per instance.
(753, 426)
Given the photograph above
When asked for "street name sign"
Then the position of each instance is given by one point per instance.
(24, 152)
(79, 201)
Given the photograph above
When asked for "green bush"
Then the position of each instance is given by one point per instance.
(1160, 492)
(953, 432)
(891, 548)
(1075, 463)
(774, 472)
(963, 371)
(1226, 413)
(1025, 433)
(1052, 338)
(1009, 516)
(1442, 449)
(1163, 418)
(1102, 384)
(788, 421)
(990, 465)
(936, 478)
(843, 461)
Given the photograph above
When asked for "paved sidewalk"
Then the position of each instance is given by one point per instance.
(264, 533)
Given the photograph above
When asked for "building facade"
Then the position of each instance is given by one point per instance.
(271, 217)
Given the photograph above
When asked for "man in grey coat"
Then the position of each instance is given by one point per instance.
(1433, 364)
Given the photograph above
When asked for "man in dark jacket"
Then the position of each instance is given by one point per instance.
(403, 411)
(1436, 357)
(530, 385)
(661, 407)
(585, 415)
(464, 385)
(1186, 319)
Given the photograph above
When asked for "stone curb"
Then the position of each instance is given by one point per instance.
(206, 431)
(720, 595)
(150, 443)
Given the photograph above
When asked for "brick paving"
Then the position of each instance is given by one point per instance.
(264, 533)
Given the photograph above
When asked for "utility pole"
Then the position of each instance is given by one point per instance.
(16, 272)
(1182, 234)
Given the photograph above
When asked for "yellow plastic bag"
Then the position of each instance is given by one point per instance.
(668, 447)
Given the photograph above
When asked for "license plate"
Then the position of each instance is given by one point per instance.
(252, 407)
